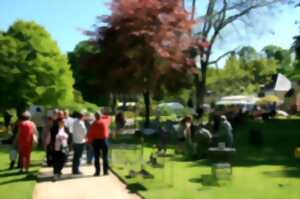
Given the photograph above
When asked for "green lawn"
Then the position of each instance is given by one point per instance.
(14, 185)
(270, 172)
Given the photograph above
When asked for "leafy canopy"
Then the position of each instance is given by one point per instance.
(32, 68)
(144, 46)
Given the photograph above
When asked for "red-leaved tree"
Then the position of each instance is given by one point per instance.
(145, 44)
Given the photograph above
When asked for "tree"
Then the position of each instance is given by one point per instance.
(247, 53)
(240, 75)
(281, 56)
(33, 70)
(84, 78)
(296, 49)
(143, 47)
(219, 14)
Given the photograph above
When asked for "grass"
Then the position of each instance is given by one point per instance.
(268, 172)
(14, 185)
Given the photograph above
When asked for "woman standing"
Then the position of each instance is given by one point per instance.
(60, 150)
(26, 133)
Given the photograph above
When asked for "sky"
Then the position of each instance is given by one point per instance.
(64, 19)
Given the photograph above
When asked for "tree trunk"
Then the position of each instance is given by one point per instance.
(201, 85)
(147, 108)
(113, 103)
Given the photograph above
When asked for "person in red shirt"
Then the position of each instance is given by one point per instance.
(98, 135)
(27, 132)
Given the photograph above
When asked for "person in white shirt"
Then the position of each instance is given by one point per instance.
(60, 150)
(79, 139)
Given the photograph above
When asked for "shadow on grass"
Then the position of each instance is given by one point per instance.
(136, 187)
(205, 180)
(293, 172)
(28, 177)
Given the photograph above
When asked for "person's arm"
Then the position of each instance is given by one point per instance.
(35, 134)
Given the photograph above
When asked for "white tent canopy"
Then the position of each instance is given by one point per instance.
(282, 83)
(171, 105)
(237, 100)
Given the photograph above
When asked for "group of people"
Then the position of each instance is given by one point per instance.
(196, 139)
(61, 134)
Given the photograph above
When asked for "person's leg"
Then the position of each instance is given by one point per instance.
(27, 160)
(80, 151)
(76, 157)
(21, 159)
(61, 162)
(96, 148)
(49, 156)
(40, 136)
(55, 162)
(89, 153)
(11, 165)
(104, 149)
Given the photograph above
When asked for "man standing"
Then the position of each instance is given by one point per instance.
(79, 134)
(98, 136)
(225, 134)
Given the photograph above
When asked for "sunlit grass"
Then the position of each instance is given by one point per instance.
(14, 185)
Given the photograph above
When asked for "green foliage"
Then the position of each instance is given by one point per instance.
(85, 79)
(282, 58)
(296, 47)
(241, 74)
(32, 68)
(181, 95)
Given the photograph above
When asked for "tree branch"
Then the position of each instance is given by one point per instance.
(247, 11)
(222, 56)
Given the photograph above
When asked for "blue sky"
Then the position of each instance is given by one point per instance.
(64, 18)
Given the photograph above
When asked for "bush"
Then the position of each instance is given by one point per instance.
(268, 100)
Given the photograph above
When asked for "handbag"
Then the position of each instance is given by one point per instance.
(64, 149)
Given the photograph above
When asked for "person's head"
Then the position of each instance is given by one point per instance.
(105, 111)
(88, 116)
(26, 115)
(223, 118)
(81, 114)
(66, 113)
(97, 116)
(61, 123)
(187, 121)
(60, 115)
(38, 109)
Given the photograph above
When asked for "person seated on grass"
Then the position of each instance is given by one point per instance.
(184, 134)
(202, 141)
